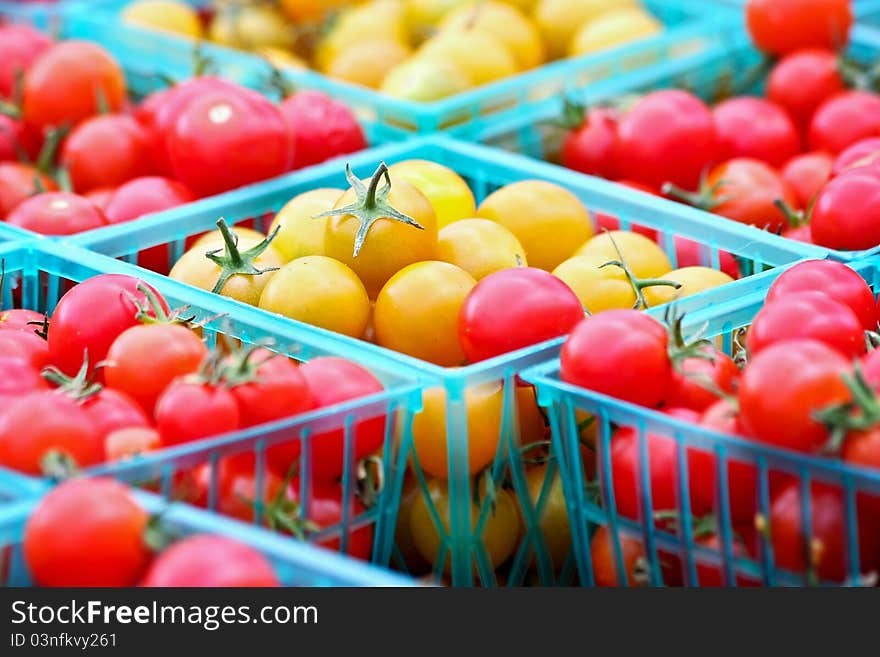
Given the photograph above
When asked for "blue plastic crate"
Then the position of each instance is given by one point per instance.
(730, 62)
(44, 15)
(485, 170)
(296, 563)
(691, 26)
(12, 233)
(588, 510)
(44, 270)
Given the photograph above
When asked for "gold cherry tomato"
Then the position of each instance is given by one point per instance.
(480, 247)
(380, 228)
(240, 270)
(506, 24)
(165, 15)
(692, 279)
(251, 27)
(423, 16)
(479, 55)
(598, 288)
(299, 232)
(310, 10)
(417, 312)
(368, 63)
(642, 255)
(532, 427)
(448, 193)
(372, 21)
(549, 221)
(425, 80)
(552, 516)
(615, 28)
(281, 58)
(319, 291)
(559, 20)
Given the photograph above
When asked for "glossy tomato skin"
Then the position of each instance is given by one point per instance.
(846, 214)
(871, 368)
(835, 279)
(806, 174)
(686, 391)
(590, 147)
(91, 316)
(863, 153)
(803, 80)
(20, 46)
(57, 213)
(87, 532)
(621, 353)
(749, 189)
(18, 375)
(206, 560)
(236, 486)
(604, 560)
(106, 151)
(515, 308)
(756, 128)
(62, 84)
(320, 128)
(18, 183)
(26, 345)
(334, 381)
(811, 315)
(784, 385)
(664, 122)
(799, 234)
(46, 421)
(192, 410)
(16, 137)
(604, 221)
(224, 139)
(779, 27)
(111, 410)
(21, 319)
(325, 510)
(279, 390)
(844, 119)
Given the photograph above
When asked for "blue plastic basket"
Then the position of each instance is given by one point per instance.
(485, 170)
(44, 270)
(691, 26)
(12, 233)
(730, 62)
(296, 563)
(588, 510)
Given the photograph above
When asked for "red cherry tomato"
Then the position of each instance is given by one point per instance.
(846, 214)
(106, 151)
(607, 222)
(100, 198)
(621, 353)
(273, 389)
(834, 279)
(756, 128)
(779, 27)
(18, 376)
(64, 84)
(863, 153)
(749, 189)
(236, 487)
(57, 213)
(784, 385)
(21, 319)
(664, 122)
(16, 139)
(689, 253)
(130, 441)
(590, 147)
(91, 316)
(803, 80)
(686, 390)
(25, 345)
(808, 315)
(799, 234)
(515, 308)
(20, 45)
(18, 182)
(226, 138)
(43, 422)
(806, 175)
(87, 532)
(320, 128)
(210, 561)
(843, 120)
(111, 410)
(871, 368)
(192, 410)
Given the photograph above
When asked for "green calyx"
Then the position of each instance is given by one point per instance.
(285, 514)
(702, 527)
(81, 387)
(372, 204)
(58, 466)
(859, 414)
(638, 284)
(705, 198)
(241, 365)
(858, 76)
(151, 311)
(574, 113)
(232, 261)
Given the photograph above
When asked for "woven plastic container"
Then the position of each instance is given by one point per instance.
(296, 563)
(39, 273)
(592, 508)
(729, 63)
(485, 170)
(12, 233)
(691, 26)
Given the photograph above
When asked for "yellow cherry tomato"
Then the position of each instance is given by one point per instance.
(505, 23)
(373, 21)
(281, 58)
(500, 530)
(642, 255)
(319, 291)
(479, 55)
(560, 20)
(251, 27)
(549, 221)
(692, 279)
(368, 63)
(416, 564)
(480, 247)
(166, 15)
(299, 232)
(532, 427)
(242, 273)
(310, 10)
(423, 16)
(483, 406)
(448, 193)
(615, 28)
(598, 288)
(425, 80)
(369, 240)
(417, 312)
(552, 516)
